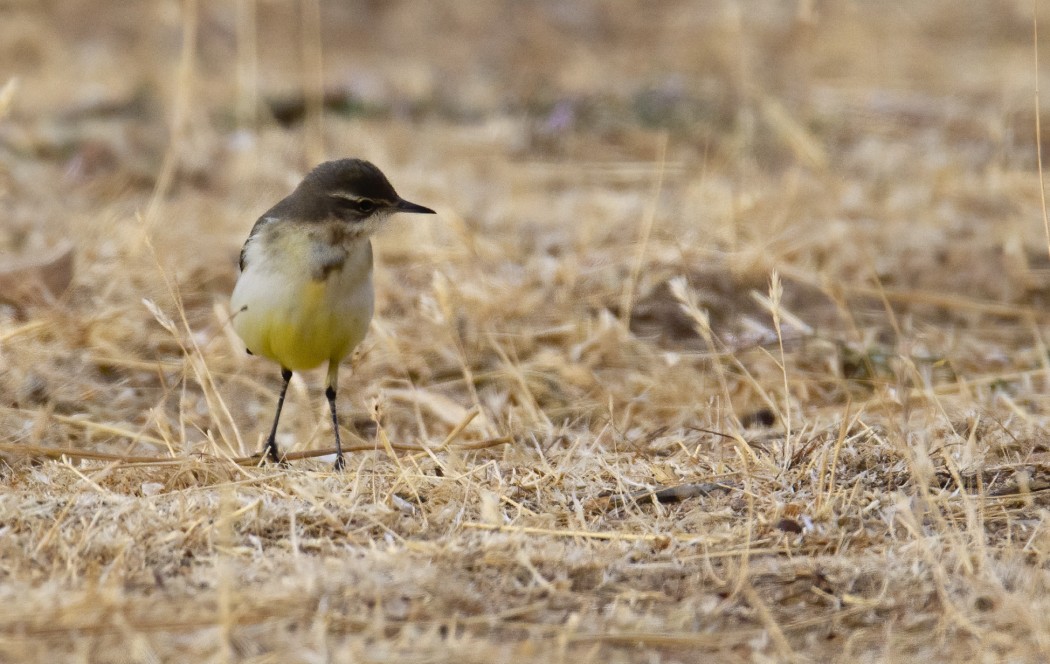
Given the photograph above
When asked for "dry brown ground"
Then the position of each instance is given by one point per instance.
(670, 458)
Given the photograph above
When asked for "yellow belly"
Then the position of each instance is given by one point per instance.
(308, 333)
(300, 322)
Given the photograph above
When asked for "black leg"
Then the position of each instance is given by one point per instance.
(271, 442)
(330, 393)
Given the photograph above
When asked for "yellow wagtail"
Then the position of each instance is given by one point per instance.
(305, 294)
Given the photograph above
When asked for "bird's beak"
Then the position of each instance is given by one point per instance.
(404, 206)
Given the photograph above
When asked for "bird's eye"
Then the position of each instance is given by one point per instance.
(355, 207)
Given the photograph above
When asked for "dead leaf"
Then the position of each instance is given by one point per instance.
(37, 279)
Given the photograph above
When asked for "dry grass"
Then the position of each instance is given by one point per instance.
(728, 343)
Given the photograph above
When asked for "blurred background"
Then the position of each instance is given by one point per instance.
(766, 85)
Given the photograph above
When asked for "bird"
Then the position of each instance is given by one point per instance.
(304, 295)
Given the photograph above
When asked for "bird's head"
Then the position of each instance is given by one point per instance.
(353, 191)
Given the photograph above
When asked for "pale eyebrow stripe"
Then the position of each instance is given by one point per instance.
(358, 199)
(350, 197)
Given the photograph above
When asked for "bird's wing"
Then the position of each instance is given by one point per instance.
(259, 223)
